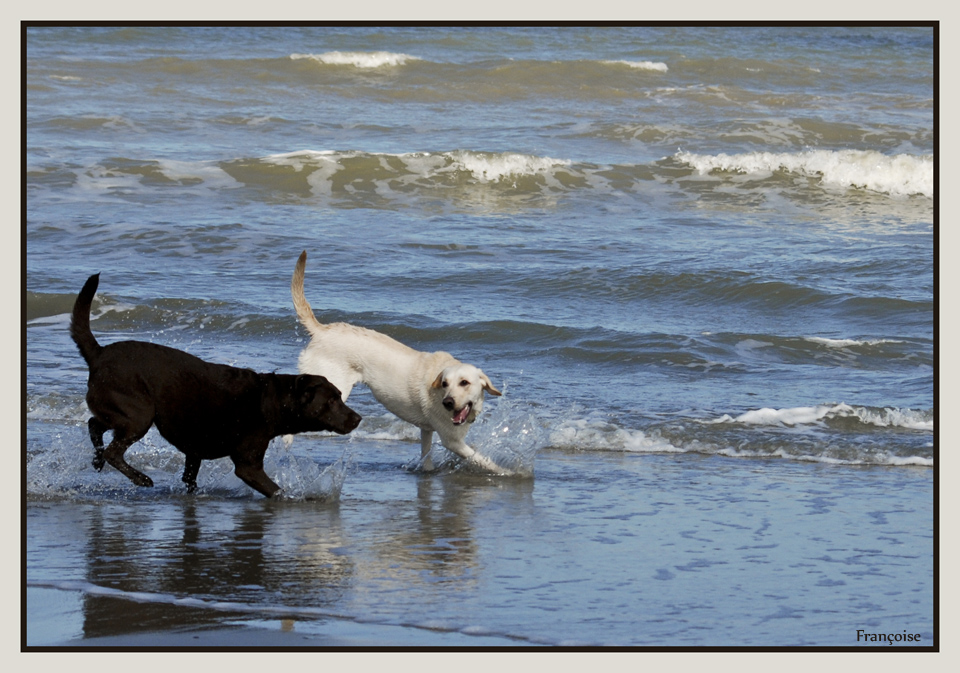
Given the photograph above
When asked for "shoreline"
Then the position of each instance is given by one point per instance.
(50, 632)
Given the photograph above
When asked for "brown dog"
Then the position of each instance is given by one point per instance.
(206, 410)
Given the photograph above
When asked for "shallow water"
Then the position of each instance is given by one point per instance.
(697, 261)
(601, 548)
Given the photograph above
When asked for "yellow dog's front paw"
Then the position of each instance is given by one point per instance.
(489, 465)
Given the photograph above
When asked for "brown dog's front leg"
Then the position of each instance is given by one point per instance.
(190, 471)
(253, 475)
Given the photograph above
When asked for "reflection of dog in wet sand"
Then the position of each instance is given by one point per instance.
(206, 410)
(434, 391)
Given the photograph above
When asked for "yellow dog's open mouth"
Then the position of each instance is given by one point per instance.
(460, 417)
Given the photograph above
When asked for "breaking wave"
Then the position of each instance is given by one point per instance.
(381, 179)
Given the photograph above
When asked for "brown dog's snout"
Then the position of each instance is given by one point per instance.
(349, 420)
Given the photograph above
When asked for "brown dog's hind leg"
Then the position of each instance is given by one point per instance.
(97, 429)
(114, 455)
(190, 471)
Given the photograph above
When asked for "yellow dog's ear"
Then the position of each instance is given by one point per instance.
(488, 385)
(438, 381)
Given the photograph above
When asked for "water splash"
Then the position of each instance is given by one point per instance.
(508, 435)
(59, 464)
(303, 479)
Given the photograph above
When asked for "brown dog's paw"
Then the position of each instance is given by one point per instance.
(142, 480)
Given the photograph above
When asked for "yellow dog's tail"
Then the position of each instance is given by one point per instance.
(300, 303)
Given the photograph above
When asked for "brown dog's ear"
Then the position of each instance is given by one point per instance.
(304, 385)
(438, 381)
(489, 386)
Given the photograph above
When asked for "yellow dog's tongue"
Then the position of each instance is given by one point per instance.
(461, 415)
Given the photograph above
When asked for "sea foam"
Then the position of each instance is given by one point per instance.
(597, 434)
(583, 434)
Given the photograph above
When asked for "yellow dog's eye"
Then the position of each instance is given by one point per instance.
(464, 383)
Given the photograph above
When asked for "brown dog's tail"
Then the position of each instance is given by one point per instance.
(80, 321)
(304, 312)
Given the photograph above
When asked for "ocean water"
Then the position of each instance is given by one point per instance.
(699, 263)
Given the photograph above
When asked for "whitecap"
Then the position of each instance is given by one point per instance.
(493, 167)
(792, 416)
(911, 419)
(899, 175)
(484, 167)
(893, 417)
(358, 59)
(640, 65)
(847, 343)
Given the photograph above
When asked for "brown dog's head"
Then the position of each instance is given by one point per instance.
(462, 386)
(320, 406)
